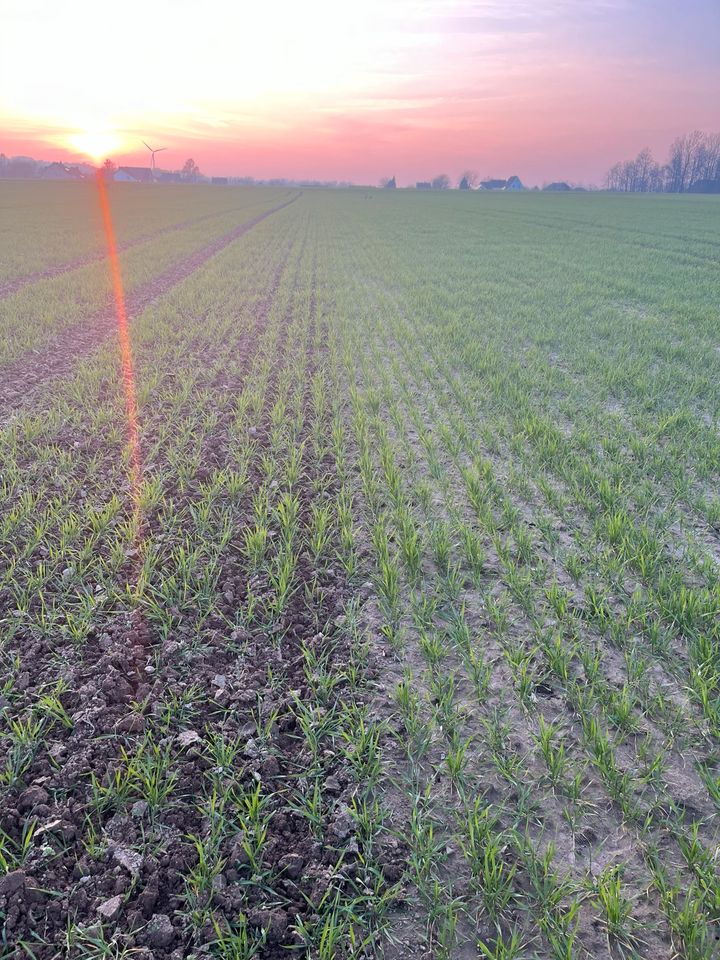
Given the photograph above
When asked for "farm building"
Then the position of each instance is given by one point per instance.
(559, 186)
(423, 185)
(134, 175)
(493, 184)
(514, 183)
(60, 171)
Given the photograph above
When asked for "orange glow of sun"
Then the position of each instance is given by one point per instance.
(95, 144)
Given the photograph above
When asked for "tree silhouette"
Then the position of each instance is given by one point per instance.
(190, 170)
(109, 169)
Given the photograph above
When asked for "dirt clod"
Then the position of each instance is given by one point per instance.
(32, 797)
(292, 865)
(12, 883)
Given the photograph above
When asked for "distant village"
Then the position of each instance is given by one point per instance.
(27, 168)
(470, 181)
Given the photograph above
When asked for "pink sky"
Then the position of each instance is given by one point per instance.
(546, 89)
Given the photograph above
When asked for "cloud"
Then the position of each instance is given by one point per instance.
(366, 86)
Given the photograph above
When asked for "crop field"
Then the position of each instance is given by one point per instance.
(359, 574)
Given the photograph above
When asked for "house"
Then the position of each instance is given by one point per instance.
(423, 185)
(514, 183)
(134, 175)
(559, 186)
(167, 176)
(221, 181)
(493, 184)
(60, 171)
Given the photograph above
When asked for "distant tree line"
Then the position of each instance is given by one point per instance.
(693, 166)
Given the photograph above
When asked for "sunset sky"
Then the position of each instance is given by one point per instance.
(546, 89)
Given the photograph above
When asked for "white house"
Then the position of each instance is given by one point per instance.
(133, 175)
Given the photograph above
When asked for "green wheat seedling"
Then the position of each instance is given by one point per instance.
(309, 802)
(362, 739)
(255, 544)
(506, 947)
(14, 853)
(252, 814)
(321, 530)
(200, 879)
(616, 909)
(484, 847)
(23, 739)
(553, 751)
(443, 915)
(419, 732)
(94, 944)
(237, 941)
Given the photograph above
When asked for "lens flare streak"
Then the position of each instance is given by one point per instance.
(126, 357)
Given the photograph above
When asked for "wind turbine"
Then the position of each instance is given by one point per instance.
(152, 156)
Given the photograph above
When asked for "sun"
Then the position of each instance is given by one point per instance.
(96, 144)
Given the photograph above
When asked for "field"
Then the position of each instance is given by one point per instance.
(360, 597)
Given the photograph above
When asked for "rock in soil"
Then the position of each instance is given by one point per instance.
(129, 859)
(110, 909)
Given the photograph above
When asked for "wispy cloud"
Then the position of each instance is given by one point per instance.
(562, 85)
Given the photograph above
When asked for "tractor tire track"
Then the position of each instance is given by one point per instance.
(10, 287)
(25, 377)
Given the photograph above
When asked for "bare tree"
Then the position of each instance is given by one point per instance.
(709, 158)
(441, 182)
(190, 171)
(693, 158)
(613, 177)
(468, 180)
(388, 183)
(109, 169)
(683, 164)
